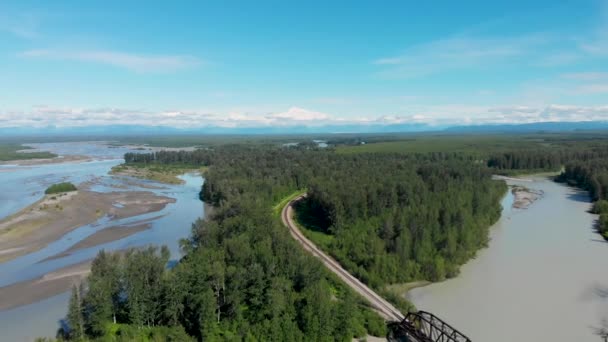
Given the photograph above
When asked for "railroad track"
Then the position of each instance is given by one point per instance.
(386, 309)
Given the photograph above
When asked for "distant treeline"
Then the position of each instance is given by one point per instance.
(544, 159)
(197, 157)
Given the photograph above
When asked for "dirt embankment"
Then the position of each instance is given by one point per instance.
(55, 215)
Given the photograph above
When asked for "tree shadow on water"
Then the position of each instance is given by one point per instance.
(63, 330)
(579, 196)
(601, 293)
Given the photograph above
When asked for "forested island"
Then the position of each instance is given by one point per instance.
(12, 151)
(60, 187)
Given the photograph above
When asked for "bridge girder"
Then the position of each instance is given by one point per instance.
(423, 326)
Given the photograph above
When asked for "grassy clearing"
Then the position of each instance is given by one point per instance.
(305, 221)
(311, 227)
(162, 173)
(9, 152)
(450, 143)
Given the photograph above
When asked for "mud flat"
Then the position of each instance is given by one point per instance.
(43, 161)
(50, 284)
(55, 215)
(104, 236)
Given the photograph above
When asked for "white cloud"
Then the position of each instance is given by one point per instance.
(333, 100)
(587, 83)
(134, 62)
(596, 88)
(489, 53)
(586, 76)
(299, 114)
(24, 25)
(460, 53)
(558, 58)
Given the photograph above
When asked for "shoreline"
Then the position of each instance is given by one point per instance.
(403, 289)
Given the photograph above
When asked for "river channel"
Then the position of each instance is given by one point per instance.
(542, 278)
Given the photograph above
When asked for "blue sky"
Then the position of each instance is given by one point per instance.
(281, 63)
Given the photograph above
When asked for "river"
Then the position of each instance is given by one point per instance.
(541, 279)
(22, 186)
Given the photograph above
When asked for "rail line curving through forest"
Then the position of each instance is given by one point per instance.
(386, 309)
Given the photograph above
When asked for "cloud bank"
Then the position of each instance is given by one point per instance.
(44, 116)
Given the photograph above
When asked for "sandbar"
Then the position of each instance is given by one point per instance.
(55, 215)
(48, 285)
(43, 161)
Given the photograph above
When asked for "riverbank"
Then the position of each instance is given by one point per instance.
(404, 288)
(55, 215)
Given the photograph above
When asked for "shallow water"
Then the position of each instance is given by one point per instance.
(22, 186)
(537, 281)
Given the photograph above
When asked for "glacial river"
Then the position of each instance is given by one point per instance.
(21, 186)
(541, 279)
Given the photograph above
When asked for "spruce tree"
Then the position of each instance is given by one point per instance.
(75, 317)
